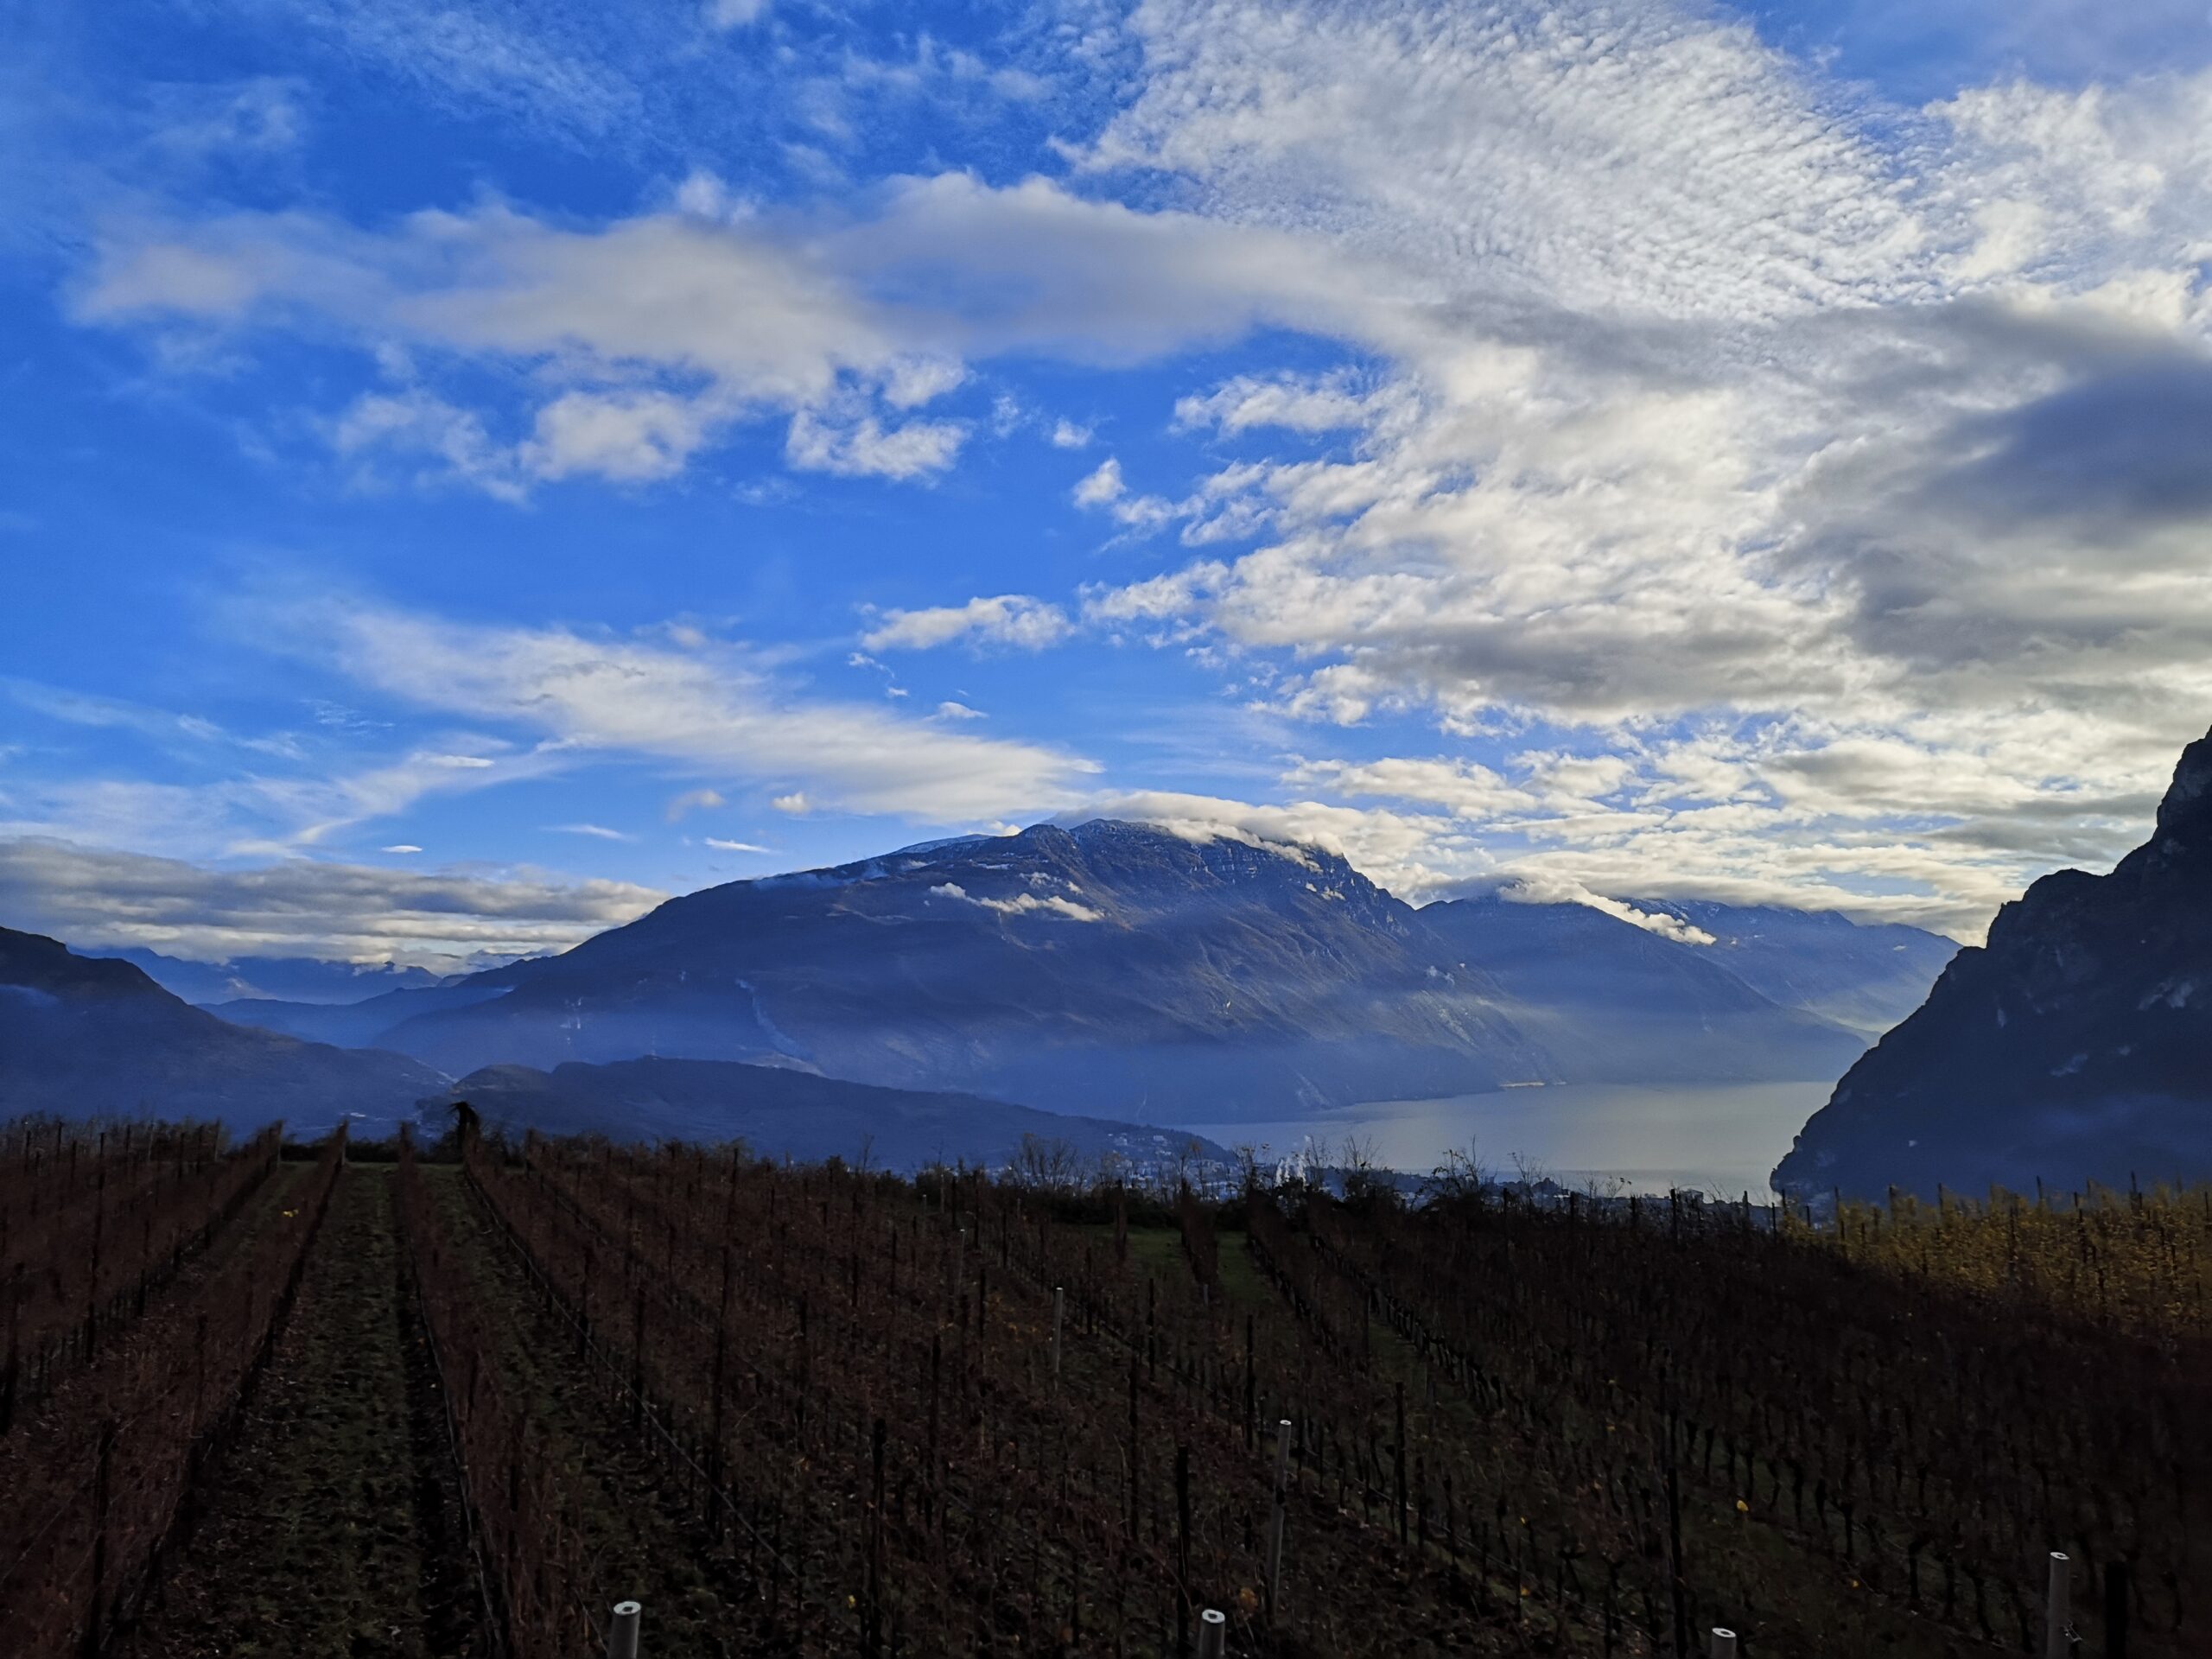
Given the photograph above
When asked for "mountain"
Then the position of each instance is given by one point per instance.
(779, 1112)
(89, 1037)
(1112, 968)
(1864, 976)
(1617, 1003)
(292, 979)
(2073, 1046)
(351, 1025)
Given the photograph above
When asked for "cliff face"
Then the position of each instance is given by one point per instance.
(2076, 1046)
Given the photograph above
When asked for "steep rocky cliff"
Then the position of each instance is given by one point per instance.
(2076, 1046)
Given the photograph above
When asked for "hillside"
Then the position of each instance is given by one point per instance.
(83, 1037)
(817, 1412)
(778, 1112)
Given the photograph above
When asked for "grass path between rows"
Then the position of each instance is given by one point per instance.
(333, 1529)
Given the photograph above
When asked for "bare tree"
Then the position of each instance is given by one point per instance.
(1045, 1164)
(1462, 1178)
(1366, 1182)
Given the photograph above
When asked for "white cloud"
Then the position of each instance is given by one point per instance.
(865, 448)
(795, 803)
(1102, 486)
(401, 846)
(629, 436)
(1847, 447)
(1024, 904)
(714, 708)
(1066, 434)
(596, 831)
(726, 316)
(310, 803)
(693, 800)
(952, 710)
(1105, 489)
(416, 423)
(721, 846)
(1013, 619)
(735, 14)
(1562, 890)
(1300, 403)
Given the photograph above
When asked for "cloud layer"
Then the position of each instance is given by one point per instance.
(1629, 460)
(108, 900)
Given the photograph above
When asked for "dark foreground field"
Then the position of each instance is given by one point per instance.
(259, 1405)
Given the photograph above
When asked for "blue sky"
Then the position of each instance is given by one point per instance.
(468, 470)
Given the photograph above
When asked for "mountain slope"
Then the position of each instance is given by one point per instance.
(780, 1113)
(2073, 1046)
(1864, 976)
(349, 1025)
(85, 1037)
(1616, 1003)
(1112, 968)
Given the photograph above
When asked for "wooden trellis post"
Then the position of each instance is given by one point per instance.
(1275, 1521)
(622, 1632)
(2056, 1631)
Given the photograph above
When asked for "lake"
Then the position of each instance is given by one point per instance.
(1723, 1139)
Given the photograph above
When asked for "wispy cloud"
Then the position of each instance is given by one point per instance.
(573, 695)
(1014, 619)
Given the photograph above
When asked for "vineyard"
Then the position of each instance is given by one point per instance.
(261, 1400)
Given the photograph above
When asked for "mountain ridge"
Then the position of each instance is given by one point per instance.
(1110, 968)
(2070, 1046)
(1188, 975)
(1618, 1003)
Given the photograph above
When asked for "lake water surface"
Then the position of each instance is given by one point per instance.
(1724, 1139)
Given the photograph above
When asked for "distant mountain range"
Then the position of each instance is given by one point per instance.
(91, 1037)
(1862, 975)
(1615, 1002)
(83, 1037)
(2077, 1045)
(288, 979)
(1123, 971)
